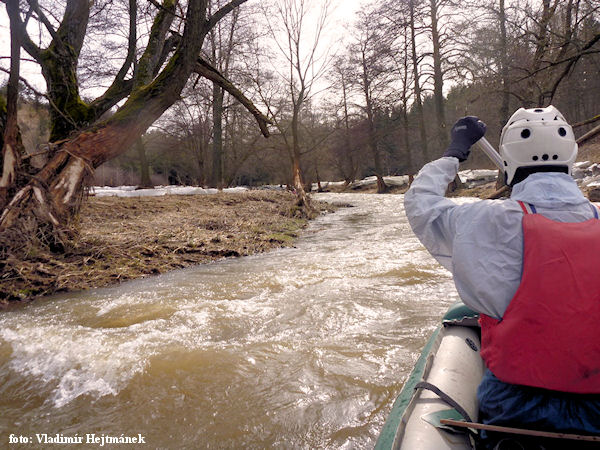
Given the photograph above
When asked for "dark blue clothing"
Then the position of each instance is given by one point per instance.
(526, 407)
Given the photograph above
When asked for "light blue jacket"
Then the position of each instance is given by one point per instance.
(481, 242)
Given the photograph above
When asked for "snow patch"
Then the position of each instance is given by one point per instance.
(158, 191)
(585, 173)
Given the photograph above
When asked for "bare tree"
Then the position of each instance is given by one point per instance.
(504, 68)
(554, 36)
(244, 144)
(435, 10)
(189, 122)
(399, 17)
(528, 49)
(405, 76)
(345, 152)
(416, 60)
(222, 43)
(305, 63)
(371, 53)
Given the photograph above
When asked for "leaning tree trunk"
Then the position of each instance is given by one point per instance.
(47, 203)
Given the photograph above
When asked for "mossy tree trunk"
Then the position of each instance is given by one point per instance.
(59, 62)
(45, 206)
(59, 67)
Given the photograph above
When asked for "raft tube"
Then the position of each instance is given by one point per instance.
(443, 384)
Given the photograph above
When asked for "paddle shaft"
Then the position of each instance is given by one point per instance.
(521, 431)
(491, 153)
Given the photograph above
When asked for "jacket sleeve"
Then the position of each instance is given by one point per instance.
(431, 215)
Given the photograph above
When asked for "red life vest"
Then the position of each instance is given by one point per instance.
(549, 336)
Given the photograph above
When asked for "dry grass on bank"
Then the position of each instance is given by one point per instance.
(127, 238)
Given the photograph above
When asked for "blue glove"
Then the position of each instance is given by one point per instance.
(465, 132)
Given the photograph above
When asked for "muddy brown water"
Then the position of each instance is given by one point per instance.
(304, 347)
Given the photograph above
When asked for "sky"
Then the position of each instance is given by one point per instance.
(341, 16)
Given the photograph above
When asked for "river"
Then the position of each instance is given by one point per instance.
(303, 347)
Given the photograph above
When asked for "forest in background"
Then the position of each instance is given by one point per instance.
(381, 102)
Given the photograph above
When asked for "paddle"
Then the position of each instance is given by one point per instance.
(491, 153)
(520, 431)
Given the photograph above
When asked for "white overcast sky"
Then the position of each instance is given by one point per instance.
(341, 17)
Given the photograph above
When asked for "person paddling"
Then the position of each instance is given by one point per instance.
(529, 265)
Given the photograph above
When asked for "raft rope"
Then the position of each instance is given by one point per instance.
(445, 397)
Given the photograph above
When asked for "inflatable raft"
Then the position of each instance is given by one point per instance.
(443, 384)
(440, 395)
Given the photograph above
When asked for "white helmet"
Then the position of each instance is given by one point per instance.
(537, 137)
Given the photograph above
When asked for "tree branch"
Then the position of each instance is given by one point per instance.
(131, 47)
(586, 122)
(161, 7)
(203, 68)
(120, 88)
(572, 63)
(589, 135)
(585, 50)
(148, 62)
(212, 20)
(26, 41)
(34, 4)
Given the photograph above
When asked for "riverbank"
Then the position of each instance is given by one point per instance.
(126, 238)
